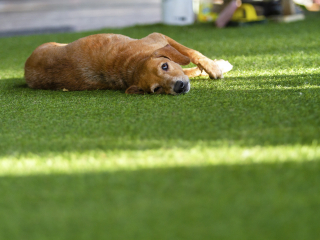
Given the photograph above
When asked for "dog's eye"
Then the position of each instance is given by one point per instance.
(157, 89)
(165, 66)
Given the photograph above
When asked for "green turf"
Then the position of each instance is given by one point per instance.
(236, 158)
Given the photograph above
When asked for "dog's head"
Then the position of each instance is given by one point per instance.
(161, 73)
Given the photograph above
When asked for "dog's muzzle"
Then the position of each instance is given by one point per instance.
(181, 87)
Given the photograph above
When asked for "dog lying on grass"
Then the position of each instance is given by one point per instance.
(113, 61)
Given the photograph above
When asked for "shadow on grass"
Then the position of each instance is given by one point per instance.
(20, 85)
(283, 110)
(257, 201)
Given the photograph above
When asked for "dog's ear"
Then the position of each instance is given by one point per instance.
(134, 90)
(171, 53)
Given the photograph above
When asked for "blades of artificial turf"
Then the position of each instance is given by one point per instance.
(236, 158)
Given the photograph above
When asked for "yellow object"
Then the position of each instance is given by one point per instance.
(246, 13)
(205, 12)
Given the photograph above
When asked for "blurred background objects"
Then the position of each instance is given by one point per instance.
(19, 17)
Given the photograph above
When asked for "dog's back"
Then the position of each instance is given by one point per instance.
(45, 64)
(85, 64)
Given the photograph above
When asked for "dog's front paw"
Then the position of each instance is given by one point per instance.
(224, 66)
(211, 67)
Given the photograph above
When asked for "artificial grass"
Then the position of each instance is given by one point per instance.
(236, 158)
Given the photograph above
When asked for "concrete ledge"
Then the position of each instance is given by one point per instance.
(36, 31)
(22, 17)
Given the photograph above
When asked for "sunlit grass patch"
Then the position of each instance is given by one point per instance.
(198, 155)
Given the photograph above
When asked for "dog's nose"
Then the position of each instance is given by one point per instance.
(178, 87)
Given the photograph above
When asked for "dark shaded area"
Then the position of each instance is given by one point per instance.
(258, 201)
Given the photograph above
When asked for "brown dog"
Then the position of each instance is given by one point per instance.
(112, 61)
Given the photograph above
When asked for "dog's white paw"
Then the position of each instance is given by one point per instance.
(224, 66)
(210, 67)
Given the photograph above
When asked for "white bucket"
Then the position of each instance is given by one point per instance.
(177, 12)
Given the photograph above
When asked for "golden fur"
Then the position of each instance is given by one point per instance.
(113, 61)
